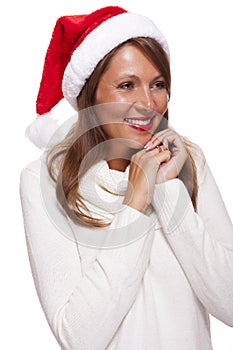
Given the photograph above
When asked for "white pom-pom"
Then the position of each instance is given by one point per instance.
(41, 130)
(51, 128)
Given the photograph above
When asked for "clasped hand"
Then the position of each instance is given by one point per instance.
(161, 160)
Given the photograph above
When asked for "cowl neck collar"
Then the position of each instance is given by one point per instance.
(103, 189)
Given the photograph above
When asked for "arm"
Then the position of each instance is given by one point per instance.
(202, 241)
(81, 309)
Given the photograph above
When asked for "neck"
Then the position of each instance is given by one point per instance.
(118, 157)
(118, 164)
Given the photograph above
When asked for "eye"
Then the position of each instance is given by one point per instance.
(159, 85)
(126, 85)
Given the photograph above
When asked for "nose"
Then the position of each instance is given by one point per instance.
(146, 98)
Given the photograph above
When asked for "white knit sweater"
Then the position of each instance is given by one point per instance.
(152, 294)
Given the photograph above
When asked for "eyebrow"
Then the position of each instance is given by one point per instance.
(132, 76)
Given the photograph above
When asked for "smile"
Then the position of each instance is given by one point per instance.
(140, 124)
(138, 121)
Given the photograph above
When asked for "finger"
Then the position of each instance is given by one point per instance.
(169, 134)
(154, 137)
(151, 143)
(163, 140)
(164, 131)
(159, 148)
(158, 138)
(162, 156)
(169, 139)
(161, 151)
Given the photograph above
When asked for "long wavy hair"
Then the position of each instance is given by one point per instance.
(65, 161)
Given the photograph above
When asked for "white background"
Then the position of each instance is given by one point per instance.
(200, 38)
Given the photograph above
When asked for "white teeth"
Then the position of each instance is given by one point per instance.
(138, 122)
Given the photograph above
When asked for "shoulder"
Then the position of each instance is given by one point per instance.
(32, 173)
(33, 168)
(29, 179)
(35, 188)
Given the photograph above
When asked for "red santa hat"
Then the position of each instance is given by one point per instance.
(78, 44)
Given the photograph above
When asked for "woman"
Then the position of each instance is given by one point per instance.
(145, 252)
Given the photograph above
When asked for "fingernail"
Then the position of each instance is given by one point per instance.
(148, 144)
(151, 146)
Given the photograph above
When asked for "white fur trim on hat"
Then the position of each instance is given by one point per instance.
(101, 41)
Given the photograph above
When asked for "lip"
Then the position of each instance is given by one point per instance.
(140, 127)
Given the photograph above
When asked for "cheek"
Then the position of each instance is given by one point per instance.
(105, 119)
(100, 95)
(105, 94)
(162, 107)
(112, 112)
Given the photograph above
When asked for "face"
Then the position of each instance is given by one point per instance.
(131, 98)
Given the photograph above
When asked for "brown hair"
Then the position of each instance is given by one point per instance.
(65, 160)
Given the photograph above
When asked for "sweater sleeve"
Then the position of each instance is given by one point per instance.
(84, 310)
(202, 241)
